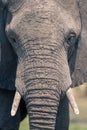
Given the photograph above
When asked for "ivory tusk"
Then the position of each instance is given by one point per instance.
(72, 101)
(15, 104)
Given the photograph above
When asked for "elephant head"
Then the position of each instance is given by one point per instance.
(45, 36)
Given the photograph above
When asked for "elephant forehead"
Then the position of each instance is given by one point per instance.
(65, 12)
(60, 13)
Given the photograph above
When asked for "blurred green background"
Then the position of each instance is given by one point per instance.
(78, 122)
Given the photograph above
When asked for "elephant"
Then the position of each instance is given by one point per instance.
(8, 65)
(45, 36)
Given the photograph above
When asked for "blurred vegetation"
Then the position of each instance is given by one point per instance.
(24, 125)
(81, 91)
(77, 122)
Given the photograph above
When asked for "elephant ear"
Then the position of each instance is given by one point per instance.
(79, 75)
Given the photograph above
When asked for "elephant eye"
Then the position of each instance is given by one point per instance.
(13, 42)
(71, 43)
(71, 38)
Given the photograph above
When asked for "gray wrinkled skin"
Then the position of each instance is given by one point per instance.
(44, 35)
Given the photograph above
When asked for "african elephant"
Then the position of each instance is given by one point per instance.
(8, 64)
(45, 36)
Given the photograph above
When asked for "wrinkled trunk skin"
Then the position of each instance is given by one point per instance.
(80, 72)
(42, 104)
(36, 33)
(43, 87)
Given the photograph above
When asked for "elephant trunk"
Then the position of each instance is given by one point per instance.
(43, 77)
(43, 72)
(42, 100)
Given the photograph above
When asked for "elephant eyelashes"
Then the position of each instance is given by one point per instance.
(71, 43)
(13, 42)
(71, 38)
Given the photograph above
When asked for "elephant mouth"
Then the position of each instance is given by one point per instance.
(69, 94)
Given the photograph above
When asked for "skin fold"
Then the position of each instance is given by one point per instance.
(45, 36)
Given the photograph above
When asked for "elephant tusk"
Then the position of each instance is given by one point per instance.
(72, 101)
(15, 104)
